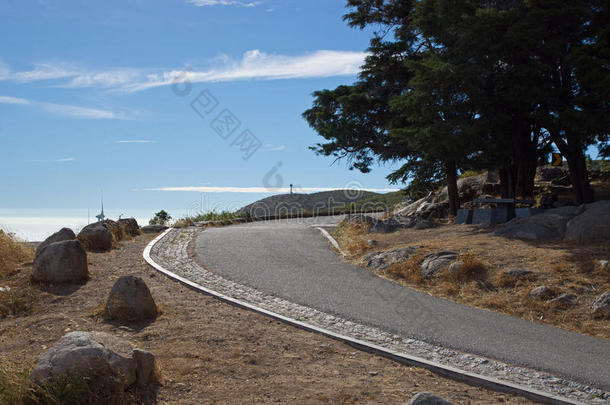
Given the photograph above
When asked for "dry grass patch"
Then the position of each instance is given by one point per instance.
(12, 253)
(483, 282)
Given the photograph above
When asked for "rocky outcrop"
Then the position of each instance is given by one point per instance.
(436, 262)
(601, 306)
(130, 226)
(550, 225)
(97, 237)
(59, 236)
(382, 260)
(426, 398)
(130, 301)
(542, 292)
(593, 224)
(154, 228)
(96, 355)
(62, 262)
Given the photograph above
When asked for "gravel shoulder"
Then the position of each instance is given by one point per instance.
(211, 352)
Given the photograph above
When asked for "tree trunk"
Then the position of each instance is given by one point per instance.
(507, 182)
(582, 192)
(452, 188)
(526, 172)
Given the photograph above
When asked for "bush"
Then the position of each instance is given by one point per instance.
(13, 252)
(160, 218)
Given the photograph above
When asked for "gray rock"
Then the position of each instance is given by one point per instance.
(604, 265)
(549, 225)
(372, 242)
(145, 367)
(62, 262)
(425, 398)
(130, 301)
(542, 292)
(96, 237)
(455, 268)
(154, 228)
(382, 260)
(130, 226)
(424, 224)
(593, 224)
(601, 305)
(564, 299)
(61, 235)
(519, 273)
(360, 218)
(95, 354)
(550, 173)
(385, 226)
(436, 262)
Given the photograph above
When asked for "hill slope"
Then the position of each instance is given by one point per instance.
(322, 203)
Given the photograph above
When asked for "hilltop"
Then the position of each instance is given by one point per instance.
(322, 203)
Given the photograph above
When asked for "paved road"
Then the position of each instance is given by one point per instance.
(292, 260)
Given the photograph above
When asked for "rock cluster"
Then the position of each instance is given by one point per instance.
(63, 262)
(382, 260)
(103, 236)
(576, 224)
(96, 355)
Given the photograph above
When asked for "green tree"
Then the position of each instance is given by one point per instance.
(160, 218)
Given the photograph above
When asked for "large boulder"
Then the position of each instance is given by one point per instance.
(426, 398)
(62, 262)
(385, 226)
(97, 237)
(154, 228)
(96, 355)
(61, 235)
(601, 306)
(593, 224)
(549, 225)
(130, 301)
(130, 226)
(436, 262)
(382, 260)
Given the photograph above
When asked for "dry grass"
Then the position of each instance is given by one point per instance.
(563, 267)
(12, 253)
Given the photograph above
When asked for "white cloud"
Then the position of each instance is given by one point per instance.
(206, 3)
(254, 64)
(259, 65)
(135, 141)
(261, 189)
(272, 148)
(68, 159)
(65, 109)
(13, 100)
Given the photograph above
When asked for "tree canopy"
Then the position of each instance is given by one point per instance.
(464, 84)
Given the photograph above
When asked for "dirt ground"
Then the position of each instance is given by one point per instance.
(211, 352)
(563, 267)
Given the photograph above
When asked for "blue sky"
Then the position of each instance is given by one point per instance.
(87, 101)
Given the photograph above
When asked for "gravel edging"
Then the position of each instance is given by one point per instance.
(171, 252)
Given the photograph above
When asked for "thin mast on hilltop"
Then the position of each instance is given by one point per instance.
(101, 216)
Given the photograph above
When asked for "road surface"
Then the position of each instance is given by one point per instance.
(292, 260)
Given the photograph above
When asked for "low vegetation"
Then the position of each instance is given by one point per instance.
(16, 296)
(483, 281)
(17, 388)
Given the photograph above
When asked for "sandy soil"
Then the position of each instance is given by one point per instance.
(211, 352)
(563, 267)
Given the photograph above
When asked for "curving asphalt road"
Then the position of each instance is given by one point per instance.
(292, 260)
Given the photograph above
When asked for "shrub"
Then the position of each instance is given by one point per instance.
(13, 252)
(160, 218)
(471, 269)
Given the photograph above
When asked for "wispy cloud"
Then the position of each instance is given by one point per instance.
(254, 64)
(68, 159)
(272, 148)
(260, 189)
(66, 110)
(206, 3)
(135, 141)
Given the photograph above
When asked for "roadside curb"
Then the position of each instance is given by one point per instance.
(443, 370)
